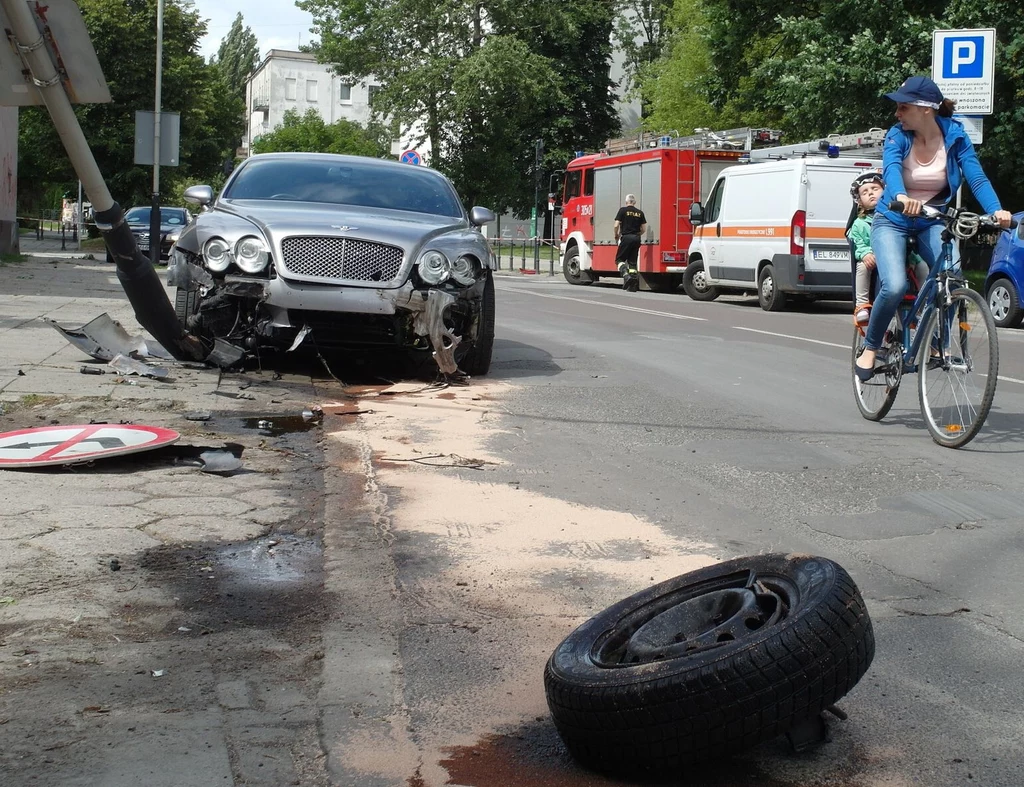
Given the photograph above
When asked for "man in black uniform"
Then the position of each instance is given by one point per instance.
(630, 225)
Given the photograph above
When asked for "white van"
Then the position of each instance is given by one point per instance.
(777, 228)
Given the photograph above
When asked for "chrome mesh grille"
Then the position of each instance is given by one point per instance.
(340, 258)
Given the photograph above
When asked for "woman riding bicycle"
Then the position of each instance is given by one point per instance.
(927, 155)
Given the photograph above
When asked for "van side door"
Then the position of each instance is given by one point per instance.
(710, 231)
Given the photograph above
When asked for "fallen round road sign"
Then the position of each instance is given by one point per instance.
(68, 445)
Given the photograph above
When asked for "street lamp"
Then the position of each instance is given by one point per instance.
(154, 211)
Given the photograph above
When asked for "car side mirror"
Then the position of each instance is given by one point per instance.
(199, 195)
(696, 214)
(479, 216)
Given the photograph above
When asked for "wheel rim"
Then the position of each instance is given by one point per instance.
(700, 283)
(767, 287)
(999, 302)
(696, 619)
(574, 266)
(956, 392)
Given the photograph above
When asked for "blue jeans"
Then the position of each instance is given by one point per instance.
(889, 243)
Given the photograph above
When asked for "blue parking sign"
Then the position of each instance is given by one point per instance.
(963, 66)
(963, 57)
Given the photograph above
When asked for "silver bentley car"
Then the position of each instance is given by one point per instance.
(342, 251)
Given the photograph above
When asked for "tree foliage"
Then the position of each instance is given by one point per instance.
(642, 30)
(237, 56)
(311, 134)
(820, 67)
(480, 81)
(123, 32)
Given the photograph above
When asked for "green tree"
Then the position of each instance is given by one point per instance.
(311, 134)
(642, 30)
(483, 80)
(237, 56)
(123, 32)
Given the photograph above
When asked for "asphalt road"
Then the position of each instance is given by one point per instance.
(738, 427)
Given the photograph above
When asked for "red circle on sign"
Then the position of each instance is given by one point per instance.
(68, 445)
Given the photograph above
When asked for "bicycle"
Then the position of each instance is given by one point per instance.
(957, 368)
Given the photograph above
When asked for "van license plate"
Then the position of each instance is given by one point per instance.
(830, 254)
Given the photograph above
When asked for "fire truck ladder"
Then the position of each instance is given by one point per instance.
(834, 145)
(702, 139)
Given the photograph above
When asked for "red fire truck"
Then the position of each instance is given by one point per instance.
(666, 178)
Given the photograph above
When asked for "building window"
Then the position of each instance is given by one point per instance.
(289, 89)
(311, 90)
(371, 92)
(345, 92)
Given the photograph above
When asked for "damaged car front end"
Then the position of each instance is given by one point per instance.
(344, 252)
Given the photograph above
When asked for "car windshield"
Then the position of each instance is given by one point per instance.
(173, 216)
(369, 185)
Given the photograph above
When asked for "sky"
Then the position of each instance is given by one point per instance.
(277, 24)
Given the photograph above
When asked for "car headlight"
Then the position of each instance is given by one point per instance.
(217, 254)
(251, 254)
(434, 267)
(464, 271)
(173, 236)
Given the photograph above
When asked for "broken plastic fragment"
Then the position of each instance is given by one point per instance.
(306, 329)
(157, 673)
(124, 365)
(103, 338)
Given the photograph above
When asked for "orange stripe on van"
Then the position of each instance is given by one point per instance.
(813, 233)
(756, 232)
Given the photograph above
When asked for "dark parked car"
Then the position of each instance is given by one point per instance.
(172, 222)
(1005, 281)
(342, 251)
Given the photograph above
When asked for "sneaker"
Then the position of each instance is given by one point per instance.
(862, 316)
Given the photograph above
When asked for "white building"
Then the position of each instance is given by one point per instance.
(287, 80)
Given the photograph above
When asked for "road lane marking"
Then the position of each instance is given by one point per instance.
(795, 338)
(604, 304)
(700, 319)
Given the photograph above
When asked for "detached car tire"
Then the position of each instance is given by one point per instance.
(708, 663)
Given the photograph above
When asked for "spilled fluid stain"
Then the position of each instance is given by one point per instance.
(537, 759)
(277, 425)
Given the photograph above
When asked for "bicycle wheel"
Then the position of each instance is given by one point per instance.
(875, 397)
(959, 365)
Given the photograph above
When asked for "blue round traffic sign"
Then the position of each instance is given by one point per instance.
(410, 157)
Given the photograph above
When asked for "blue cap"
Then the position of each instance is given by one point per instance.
(918, 90)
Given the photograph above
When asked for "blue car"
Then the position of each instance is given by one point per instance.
(1005, 281)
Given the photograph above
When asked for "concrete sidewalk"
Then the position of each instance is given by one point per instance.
(158, 625)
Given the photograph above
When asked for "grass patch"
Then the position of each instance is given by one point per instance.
(9, 259)
(976, 279)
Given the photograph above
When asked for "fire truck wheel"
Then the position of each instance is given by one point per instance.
(695, 282)
(572, 271)
(768, 294)
(708, 663)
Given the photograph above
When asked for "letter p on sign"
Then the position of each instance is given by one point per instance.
(964, 58)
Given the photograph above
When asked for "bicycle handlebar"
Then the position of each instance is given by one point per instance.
(950, 216)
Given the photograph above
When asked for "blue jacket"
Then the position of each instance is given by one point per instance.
(961, 165)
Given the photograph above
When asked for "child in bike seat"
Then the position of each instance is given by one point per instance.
(866, 190)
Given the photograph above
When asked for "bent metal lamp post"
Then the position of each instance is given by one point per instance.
(43, 84)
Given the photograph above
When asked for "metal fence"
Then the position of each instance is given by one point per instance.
(527, 255)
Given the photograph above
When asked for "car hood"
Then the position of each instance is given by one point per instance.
(385, 226)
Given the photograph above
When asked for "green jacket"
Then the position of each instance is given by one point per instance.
(860, 236)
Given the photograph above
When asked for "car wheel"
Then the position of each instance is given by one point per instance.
(695, 283)
(768, 294)
(707, 663)
(1004, 303)
(572, 271)
(477, 360)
